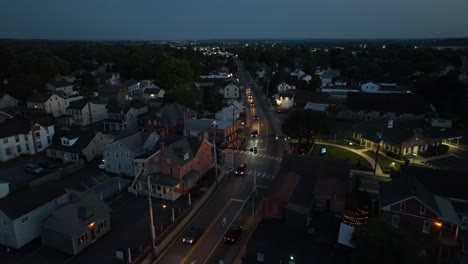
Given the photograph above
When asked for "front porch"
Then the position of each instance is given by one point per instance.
(162, 186)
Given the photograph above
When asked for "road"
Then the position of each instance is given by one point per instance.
(231, 204)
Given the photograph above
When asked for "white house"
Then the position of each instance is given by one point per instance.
(83, 112)
(387, 88)
(327, 79)
(220, 75)
(23, 136)
(238, 105)
(228, 113)
(282, 87)
(7, 100)
(51, 103)
(120, 154)
(300, 75)
(22, 213)
(108, 77)
(63, 86)
(231, 90)
(79, 144)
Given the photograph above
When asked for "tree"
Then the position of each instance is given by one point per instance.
(175, 72)
(378, 242)
(306, 125)
(212, 99)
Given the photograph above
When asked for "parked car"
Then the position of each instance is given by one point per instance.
(193, 235)
(241, 170)
(47, 165)
(33, 168)
(233, 234)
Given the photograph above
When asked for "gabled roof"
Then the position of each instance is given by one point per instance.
(23, 202)
(129, 82)
(403, 188)
(110, 90)
(84, 139)
(162, 179)
(205, 124)
(78, 104)
(14, 126)
(396, 103)
(177, 149)
(172, 112)
(74, 218)
(39, 97)
(152, 90)
(299, 176)
(134, 140)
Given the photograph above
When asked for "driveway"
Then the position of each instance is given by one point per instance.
(13, 170)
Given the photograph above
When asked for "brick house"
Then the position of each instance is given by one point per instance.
(174, 167)
(410, 206)
(169, 119)
(223, 131)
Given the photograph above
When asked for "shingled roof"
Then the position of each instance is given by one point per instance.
(84, 139)
(23, 202)
(78, 104)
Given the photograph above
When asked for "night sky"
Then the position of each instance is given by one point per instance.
(222, 19)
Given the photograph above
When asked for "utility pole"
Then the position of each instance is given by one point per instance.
(153, 233)
(253, 194)
(215, 160)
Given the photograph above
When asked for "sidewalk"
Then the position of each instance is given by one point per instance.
(359, 152)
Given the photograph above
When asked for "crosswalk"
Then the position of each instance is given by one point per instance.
(259, 174)
(259, 155)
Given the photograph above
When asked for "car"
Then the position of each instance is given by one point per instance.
(47, 165)
(252, 104)
(250, 96)
(34, 168)
(254, 134)
(255, 117)
(193, 235)
(241, 170)
(233, 234)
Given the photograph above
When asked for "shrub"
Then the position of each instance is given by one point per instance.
(393, 155)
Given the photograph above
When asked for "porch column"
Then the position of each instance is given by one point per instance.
(173, 194)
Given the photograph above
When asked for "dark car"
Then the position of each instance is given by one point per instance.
(47, 165)
(241, 170)
(254, 134)
(33, 168)
(252, 104)
(255, 117)
(233, 234)
(192, 236)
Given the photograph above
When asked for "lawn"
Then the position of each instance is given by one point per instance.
(354, 160)
(345, 143)
(385, 162)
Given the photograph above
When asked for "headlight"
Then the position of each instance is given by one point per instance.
(183, 239)
(190, 241)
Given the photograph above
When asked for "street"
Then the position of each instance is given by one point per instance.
(231, 204)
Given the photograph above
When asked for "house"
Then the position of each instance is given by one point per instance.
(168, 119)
(238, 105)
(312, 100)
(63, 86)
(20, 136)
(230, 90)
(77, 225)
(118, 155)
(327, 79)
(7, 100)
(302, 207)
(84, 112)
(282, 87)
(108, 78)
(175, 167)
(51, 102)
(153, 93)
(285, 100)
(79, 144)
(112, 91)
(300, 75)
(131, 85)
(67, 78)
(407, 204)
(222, 131)
(340, 92)
(404, 137)
(368, 106)
(126, 117)
(229, 113)
(23, 212)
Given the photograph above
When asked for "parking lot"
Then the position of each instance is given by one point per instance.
(448, 163)
(13, 171)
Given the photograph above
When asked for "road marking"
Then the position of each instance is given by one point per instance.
(233, 219)
(194, 247)
(237, 200)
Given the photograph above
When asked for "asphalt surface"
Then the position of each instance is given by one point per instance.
(232, 203)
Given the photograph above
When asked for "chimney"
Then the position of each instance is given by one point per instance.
(201, 136)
